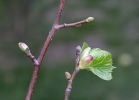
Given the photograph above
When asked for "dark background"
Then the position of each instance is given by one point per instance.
(115, 29)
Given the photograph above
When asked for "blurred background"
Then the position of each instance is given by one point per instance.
(115, 29)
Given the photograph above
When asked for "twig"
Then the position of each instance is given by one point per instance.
(76, 70)
(34, 60)
(72, 24)
(41, 56)
(55, 27)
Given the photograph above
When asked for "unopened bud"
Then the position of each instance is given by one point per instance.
(85, 62)
(89, 19)
(24, 47)
(88, 58)
(68, 75)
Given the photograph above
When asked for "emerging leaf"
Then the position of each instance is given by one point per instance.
(85, 50)
(100, 65)
(86, 62)
(85, 45)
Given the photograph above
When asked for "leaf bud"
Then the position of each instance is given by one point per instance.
(68, 75)
(24, 47)
(85, 62)
(89, 19)
(88, 58)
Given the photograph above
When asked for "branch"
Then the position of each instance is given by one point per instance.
(38, 62)
(26, 49)
(76, 24)
(76, 70)
(33, 59)
(52, 32)
(41, 56)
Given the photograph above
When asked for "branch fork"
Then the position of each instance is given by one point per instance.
(34, 60)
(37, 62)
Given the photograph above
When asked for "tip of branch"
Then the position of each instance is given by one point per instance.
(24, 47)
(78, 49)
(89, 19)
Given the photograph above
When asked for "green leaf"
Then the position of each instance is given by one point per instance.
(101, 64)
(85, 45)
(85, 53)
(85, 50)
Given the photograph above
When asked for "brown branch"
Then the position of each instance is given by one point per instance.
(41, 56)
(76, 70)
(76, 24)
(33, 59)
(52, 32)
(37, 63)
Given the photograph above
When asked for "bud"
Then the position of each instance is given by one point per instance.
(24, 47)
(85, 52)
(89, 19)
(88, 59)
(85, 62)
(68, 75)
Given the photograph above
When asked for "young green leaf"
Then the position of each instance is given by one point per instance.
(85, 50)
(100, 64)
(85, 45)
(85, 53)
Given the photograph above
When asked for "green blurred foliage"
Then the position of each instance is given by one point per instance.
(114, 29)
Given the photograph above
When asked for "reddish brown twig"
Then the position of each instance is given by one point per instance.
(41, 56)
(34, 60)
(76, 24)
(76, 70)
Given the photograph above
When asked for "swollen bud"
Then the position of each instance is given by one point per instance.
(89, 19)
(88, 58)
(85, 62)
(68, 75)
(24, 47)
(85, 52)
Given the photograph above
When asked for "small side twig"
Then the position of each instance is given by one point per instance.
(72, 24)
(34, 60)
(76, 70)
(76, 24)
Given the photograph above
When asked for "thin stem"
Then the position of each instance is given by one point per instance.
(69, 87)
(76, 70)
(76, 24)
(62, 2)
(41, 56)
(37, 63)
(33, 59)
(32, 82)
(52, 32)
